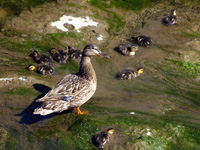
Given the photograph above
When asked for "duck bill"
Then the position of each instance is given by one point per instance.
(103, 55)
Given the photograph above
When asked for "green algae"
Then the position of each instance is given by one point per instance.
(127, 5)
(72, 132)
(191, 33)
(143, 130)
(25, 91)
(56, 37)
(26, 46)
(189, 68)
(16, 62)
(72, 66)
(116, 24)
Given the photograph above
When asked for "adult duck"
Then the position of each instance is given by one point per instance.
(171, 19)
(73, 90)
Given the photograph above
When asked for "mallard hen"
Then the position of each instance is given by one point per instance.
(74, 89)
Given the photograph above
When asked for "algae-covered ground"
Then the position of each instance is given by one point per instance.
(160, 109)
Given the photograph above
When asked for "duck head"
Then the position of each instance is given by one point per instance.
(32, 67)
(110, 131)
(140, 70)
(134, 48)
(92, 50)
(53, 50)
(173, 12)
(36, 53)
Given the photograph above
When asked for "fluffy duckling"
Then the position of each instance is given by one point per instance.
(143, 40)
(127, 49)
(42, 58)
(101, 138)
(171, 19)
(129, 73)
(42, 69)
(73, 52)
(59, 55)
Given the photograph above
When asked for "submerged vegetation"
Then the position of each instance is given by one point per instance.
(143, 130)
(25, 91)
(165, 129)
(191, 33)
(19, 5)
(128, 4)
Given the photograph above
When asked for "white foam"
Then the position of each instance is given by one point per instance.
(10, 79)
(77, 22)
(148, 133)
(100, 38)
(132, 113)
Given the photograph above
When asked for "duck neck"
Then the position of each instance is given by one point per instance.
(86, 69)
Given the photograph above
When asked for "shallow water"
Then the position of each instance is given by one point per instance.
(164, 100)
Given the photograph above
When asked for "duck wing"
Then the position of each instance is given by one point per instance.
(71, 88)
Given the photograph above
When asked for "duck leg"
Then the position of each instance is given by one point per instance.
(79, 112)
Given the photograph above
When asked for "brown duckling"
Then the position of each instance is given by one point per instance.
(42, 69)
(59, 55)
(73, 53)
(42, 58)
(129, 73)
(101, 138)
(171, 19)
(127, 49)
(143, 40)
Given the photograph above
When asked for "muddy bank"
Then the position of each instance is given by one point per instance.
(159, 99)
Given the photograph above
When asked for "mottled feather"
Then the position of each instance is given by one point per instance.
(71, 85)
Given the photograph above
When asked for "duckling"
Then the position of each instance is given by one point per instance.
(127, 49)
(73, 52)
(59, 55)
(143, 40)
(129, 73)
(101, 138)
(42, 58)
(75, 89)
(42, 69)
(171, 19)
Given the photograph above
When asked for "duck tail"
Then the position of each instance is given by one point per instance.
(43, 112)
(40, 100)
(49, 107)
